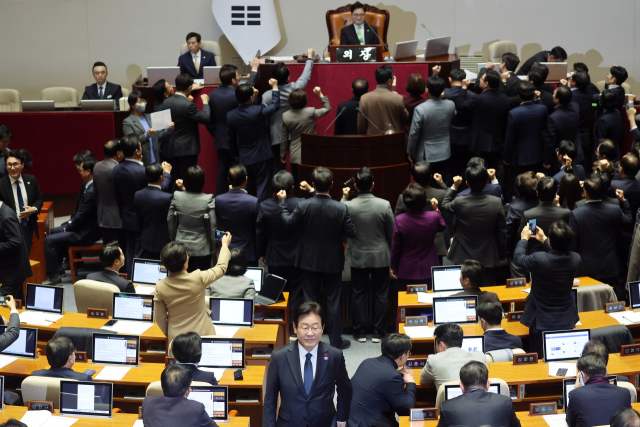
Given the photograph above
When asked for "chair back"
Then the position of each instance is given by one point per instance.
(62, 96)
(504, 389)
(155, 388)
(82, 338)
(10, 101)
(94, 294)
(42, 388)
(510, 356)
(497, 49)
(209, 46)
(377, 18)
(125, 92)
(631, 388)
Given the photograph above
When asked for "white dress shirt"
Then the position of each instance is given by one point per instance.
(23, 190)
(303, 358)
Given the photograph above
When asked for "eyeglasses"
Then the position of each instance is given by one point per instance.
(13, 165)
(358, 15)
(314, 328)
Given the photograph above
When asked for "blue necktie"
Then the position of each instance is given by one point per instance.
(308, 374)
(20, 203)
(101, 94)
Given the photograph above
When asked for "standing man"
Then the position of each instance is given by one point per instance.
(193, 62)
(347, 120)
(102, 89)
(358, 32)
(507, 67)
(14, 259)
(562, 125)
(557, 54)
(369, 254)
(583, 97)
(305, 375)
(320, 255)
(460, 128)
(108, 213)
(383, 107)
(184, 142)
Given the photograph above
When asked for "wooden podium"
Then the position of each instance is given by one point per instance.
(345, 155)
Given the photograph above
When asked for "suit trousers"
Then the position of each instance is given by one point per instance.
(134, 249)
(379, 288)
(225, 161)
(56, 246)
(460, 155)
(27, 236)
(277, 164)
(293, 276)
(313, 282)
(150, 254)
(113, 235)
(296, 183)
(181, 164)
(259, 179)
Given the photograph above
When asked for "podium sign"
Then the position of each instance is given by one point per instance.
(356, 54)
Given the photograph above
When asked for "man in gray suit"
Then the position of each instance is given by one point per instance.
(108, 214)
(449, 358)
(281, 74)
(368, 254)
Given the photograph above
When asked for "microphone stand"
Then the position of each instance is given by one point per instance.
(365, 116)
(334, 120)
(388, 58)
(344, 23)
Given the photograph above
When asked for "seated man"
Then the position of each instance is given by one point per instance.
(360, 32)
(593, 387)
(598, 348)
(61, 356)
(625, 417)
(476, 406)
(187, 349)
(449, 358)
(194, 61)
(347, 121)
(379, 391)
(112, 259)
(174, 409)
(471, 278)
(102, 89)
(495, 338)
(234, 284)
(557, 54)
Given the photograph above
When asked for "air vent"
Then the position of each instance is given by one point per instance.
(470, 62)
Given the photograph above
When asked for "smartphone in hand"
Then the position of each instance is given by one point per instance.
(532, 226)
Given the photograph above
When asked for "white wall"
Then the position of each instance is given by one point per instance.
(47, 43)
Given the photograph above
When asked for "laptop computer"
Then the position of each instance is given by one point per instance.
(227, 353)
(25, 345)
(211, 75)
(256, 274)
(131, 307)
(147, 272)
(437, 46)
(215, 400)
(44, 105)
(473, 343)
(119, 350)
(44, 298)
(86, 399)
(232, 312)
(564, 345)
(452, 391)
(96, 104)
(271, 292)
(405, 50)
(446, 278)
(158, 73)
(557, 70)
(460, 310)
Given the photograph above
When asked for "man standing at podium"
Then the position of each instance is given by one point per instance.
(382, 110)
(358, 32)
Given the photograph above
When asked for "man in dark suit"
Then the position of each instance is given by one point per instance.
(184, 142)
(507, 67)
(492, 188)
(526, 186)
(320, 255)
(581, 67)
(593, 401)
(22, 194)
(162, 90)
(108, 214)
(173, 408)
(565, 153)
(596, 226)
(460, 127)
(628, 168)
(537, 77)
(221, 102)
(477, 406)
(380, 390)
(237, 212)
(277, 244)
(607, 122)
(305, 375)
(581, 95)
(359, 32)
(152, 208)
(347, 120)
(471, 278)
(495, 337)
(81, 229)
(14, 259)
(557, 54)
(562, 125)
(61, 355)
(112, 260)
(249, 139)
(617, 75)
(187, 349)
(102, 89)
(194, 61)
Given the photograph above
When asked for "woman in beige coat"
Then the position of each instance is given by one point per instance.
(179, 298)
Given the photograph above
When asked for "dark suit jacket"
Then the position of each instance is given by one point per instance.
(185, 138)
(545, 97)
(545, 215)
(152, 208)
(12, 333)
(348, 35)
(14, 259)
(249, 132)
(489, 190)
(563, 125)
(296, 408)
(483, 296)
(584, 99)
(499, 339)
(277, 243)
(594, 404)
(347, 123)
(108, 213)
(619, 92)
(322, 223)
(379, 393)
(489, 121)
(84, 220)
(478, 408)
(237, 212)
(526, 132)
(460, 128)
(113, 278)
(185, 62)
(538, 57)
(514, 217)
(578, 171)
(608, 125)
(111, 91)
(162, 411)
(128, 177)
(510, 88)
(66, 373)
(34, 197)
(203, 376)
(631, 188)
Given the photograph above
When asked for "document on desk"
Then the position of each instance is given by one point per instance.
(527, 290)
(46, 419)
(419, 331)
(113, 373)
(226, 331)
(558, 420)
(138, 423)
(129, 327)
(626, 317)
(145, 290)
(570, 367)
(217, 372)
(39, 318)
(5, 360)
(427, 298)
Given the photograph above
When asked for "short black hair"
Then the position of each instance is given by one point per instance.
(449, 333)
(79, 157)
(111, 148)
(12, 422)
(421, 173)
(491, 312)
(196, 35)
(625, 417)
(564, 95)
(153, 173)
(58, 351)
(582, 79)
(435, 84)
(395, 345)
(384, 73)
(298, 99)
(592, 364)
(15, 154)
(187, 348)
(237, 175)
(608, 99)
(474, 374)
(492, 78)
(173, 256)
(176, 380)
(159, 89)
(98, 64)
(281, 73)
(527, 185)
(244, 92)
(630, 164)
(477, 177)
(28, 160)
(474, 271)
(282, 180)
(561, 236)
(183, 82)
(559, 53)
(237, 263)
(594, 186)
(360, 87)
(227, 73)
(308, 307)
(547, 188)
(596, 347)
(457, 75)
(88, 164)
(364, 179)
(511, 61)
(536, 78)
(109, 253)
(129, 144)
(194, 179)
(6, 133)
(133, 97)
(414, 197)
(322, 179)
(542, 68)
(568, 148)
(357, 5)
(607, 149)
(580, 66)
(526, 91)
(620, 74)
(475, 161)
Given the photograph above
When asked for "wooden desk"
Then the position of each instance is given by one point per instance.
(45, 223)
(280, 309)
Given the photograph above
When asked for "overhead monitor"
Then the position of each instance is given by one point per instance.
(225, 353)
(564, 345)
(132, 307)
(461, 310)
(231, 312)
(147, 272)
(86, 399)
(121, 350)
(256, 274)
(215, 400)
(446, 278)
(473, 343)
(25, 345)
(44, 298)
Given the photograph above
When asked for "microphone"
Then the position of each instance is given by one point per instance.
(344, 23)
(389, 58)
(365, 116)
(334, 120)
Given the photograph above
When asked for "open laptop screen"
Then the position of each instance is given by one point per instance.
(453, 391)
(214, 398)
(634, 291)
(231, 312)
(86, 398)
(111, 349)
(460, 309)
(564, 345)
(473, 343)
(222, 353)
(133, 307)
(25, 345)
(44, 298)
(147, 271)
(255, 274)
(446, 278)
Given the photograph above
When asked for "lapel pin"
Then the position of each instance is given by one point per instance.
(326, 357)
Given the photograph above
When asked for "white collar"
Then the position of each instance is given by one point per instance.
(153, 185)
(494, 329)
(181, 94)
(593, 201)
(13, 181)
(104, 85)
(303, 351)
(199, 54)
